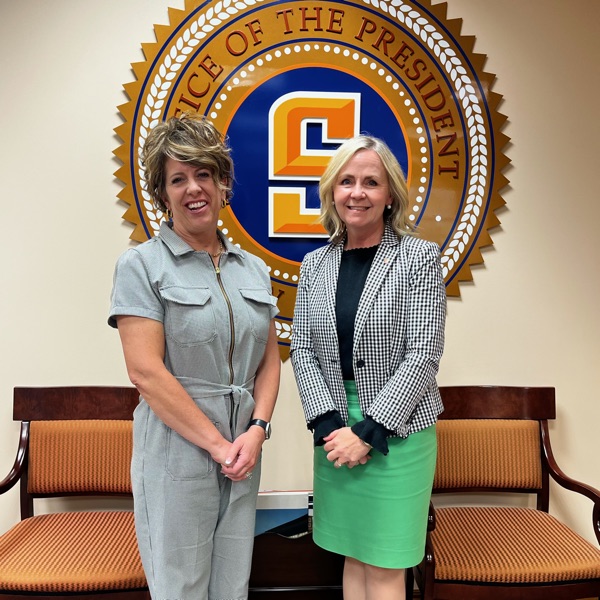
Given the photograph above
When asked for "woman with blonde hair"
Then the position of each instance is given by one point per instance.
(367, 340)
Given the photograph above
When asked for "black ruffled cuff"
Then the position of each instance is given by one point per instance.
(375, 434)
(324, 424)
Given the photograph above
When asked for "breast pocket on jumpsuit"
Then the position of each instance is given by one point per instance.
(189, 321)
(259, 304)
(189, 315)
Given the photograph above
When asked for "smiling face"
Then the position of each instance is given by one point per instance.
(195, 201)
(360, 195)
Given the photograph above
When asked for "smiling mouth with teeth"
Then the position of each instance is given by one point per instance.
(196, 205)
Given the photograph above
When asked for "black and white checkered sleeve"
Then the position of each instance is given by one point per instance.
(314, 393)
(395, 404)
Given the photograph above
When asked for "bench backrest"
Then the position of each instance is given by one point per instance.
(490, 439)
(80, 457)
(75, 440)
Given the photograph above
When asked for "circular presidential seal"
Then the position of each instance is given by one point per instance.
(287, 82)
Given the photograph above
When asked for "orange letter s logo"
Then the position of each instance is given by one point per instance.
(290, 158)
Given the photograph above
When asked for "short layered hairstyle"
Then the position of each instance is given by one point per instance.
(189, 138)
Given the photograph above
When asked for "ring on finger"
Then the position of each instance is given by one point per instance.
(337, 464)
(249, 475)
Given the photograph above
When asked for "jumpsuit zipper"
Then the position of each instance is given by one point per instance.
(232, 416)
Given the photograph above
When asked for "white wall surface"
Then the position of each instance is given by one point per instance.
(530, 318)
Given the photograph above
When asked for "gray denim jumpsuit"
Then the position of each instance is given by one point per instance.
(195, 528)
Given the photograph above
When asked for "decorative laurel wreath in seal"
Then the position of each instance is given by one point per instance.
(287, 81)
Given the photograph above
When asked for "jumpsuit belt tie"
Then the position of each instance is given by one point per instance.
(230, 417)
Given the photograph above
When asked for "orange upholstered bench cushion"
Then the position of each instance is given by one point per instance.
(71, 552)
(488, 453)
(80, 457)
(509, 545)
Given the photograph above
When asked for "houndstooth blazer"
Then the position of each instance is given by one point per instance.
(398, 338)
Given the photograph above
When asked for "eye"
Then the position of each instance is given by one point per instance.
(344, 181)
(177, 179)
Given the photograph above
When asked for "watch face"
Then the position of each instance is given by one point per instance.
(268, 431)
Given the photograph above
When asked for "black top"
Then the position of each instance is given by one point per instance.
(354, 268)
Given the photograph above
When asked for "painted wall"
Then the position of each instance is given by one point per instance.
(530, 317)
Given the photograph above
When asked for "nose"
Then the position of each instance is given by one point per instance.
(193, 185)
(358, 191)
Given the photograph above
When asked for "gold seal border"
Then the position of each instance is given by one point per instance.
(181, 37)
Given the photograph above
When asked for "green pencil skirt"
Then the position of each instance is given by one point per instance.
(377, 512)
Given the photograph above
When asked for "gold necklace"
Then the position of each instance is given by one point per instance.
(220, 250)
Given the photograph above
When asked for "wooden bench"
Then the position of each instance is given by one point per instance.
(74, 441)
(77, 441)
(494, 442)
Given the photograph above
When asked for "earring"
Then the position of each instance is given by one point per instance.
(226, 198)
(169, 214)
(388, 206)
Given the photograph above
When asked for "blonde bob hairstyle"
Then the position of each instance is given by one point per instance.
(189, 138)
(396, 216)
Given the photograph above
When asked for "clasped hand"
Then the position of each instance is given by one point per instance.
(238, 458)
(344, 447)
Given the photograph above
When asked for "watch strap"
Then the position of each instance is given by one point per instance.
(261, 423)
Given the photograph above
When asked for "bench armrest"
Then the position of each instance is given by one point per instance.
(571, 484)
(19, 465)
